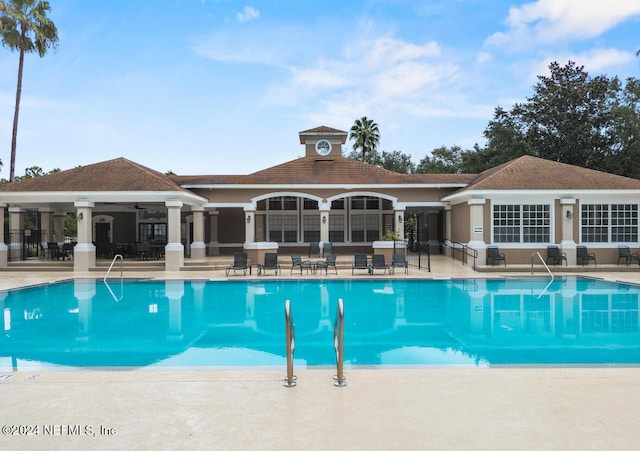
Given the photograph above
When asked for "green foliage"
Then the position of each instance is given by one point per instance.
(394, 161)
(366, 135)
(25, 27)
(443, 160)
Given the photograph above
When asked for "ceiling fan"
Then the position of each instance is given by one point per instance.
(137, 207)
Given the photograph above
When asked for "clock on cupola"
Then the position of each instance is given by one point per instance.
(323, 142)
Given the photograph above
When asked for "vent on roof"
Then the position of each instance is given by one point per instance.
(324, 159)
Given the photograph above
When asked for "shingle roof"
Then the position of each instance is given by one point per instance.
(328, 170)
(118, 174)
(532, 173)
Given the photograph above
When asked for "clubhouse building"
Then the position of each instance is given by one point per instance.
(522, 207)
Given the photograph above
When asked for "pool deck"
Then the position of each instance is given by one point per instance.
(379, 409)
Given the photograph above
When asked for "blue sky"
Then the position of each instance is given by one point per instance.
(224, 86)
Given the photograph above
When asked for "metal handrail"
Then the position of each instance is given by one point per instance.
(543, 262)
(338, 344)
(464, 249)
(290, 380)
(550, 273)
(111, 266)
(121, 280)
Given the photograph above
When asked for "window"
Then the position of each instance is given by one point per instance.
(311, 224)
(283, 203)
(152, 232)
(603, 223)
(283, 228)
(310, 204)
(535, 223)
(506, 223)
(365, 228)
(336, 228)
(521, 223)
(624, 223)
(365, 203)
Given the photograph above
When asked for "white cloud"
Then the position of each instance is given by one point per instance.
(247, 14)
(595, 61)
(547, 21)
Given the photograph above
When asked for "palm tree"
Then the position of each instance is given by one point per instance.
(26, 28)
(366, 135)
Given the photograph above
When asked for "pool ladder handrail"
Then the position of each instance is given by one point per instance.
(548, 270)
(111, 266)
(290, 333)
(338, 344)
(104, 280)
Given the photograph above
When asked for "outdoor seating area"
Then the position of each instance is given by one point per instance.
(494, 255)
(554, 256)
(625, 254)
(53, 251)
(583, 256)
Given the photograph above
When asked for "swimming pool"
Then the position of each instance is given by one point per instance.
(84, 323)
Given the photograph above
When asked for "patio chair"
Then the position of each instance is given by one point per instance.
(554, 256)
(625, 253)
(329, 262)
(398, 261)
(327, 248)
(297, 262)
(583, 256)
(377, 262)
(270, 263)
(360, 261)
(239, 263)
(314, 249)
(494, 255)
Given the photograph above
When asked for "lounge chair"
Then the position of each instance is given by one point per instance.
(239, 263)
(583, 256)
(377, 262)
(625, 253)
(314, 249)
(494, 255)
(554, 256)
(327, 248)
(360, 261)
(398, 261)
(297, 262)
(329, 262)
(270, 263)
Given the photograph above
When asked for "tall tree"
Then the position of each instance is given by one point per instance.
(366, 135)
(25, 28)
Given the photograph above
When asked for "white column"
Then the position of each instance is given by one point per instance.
(198, 248)
(16, 224)
(250, 226)
(398, 218)
(84, 253)
(174, 251)
(476, 232)
(46, 224)
(58, 227)
(447, 227)
(214, 245)
(325, 208)
(4, 251)
(567, 243)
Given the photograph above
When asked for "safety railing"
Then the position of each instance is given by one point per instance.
(111, 266)
(290, 380)
(338, 344)
(115, 298)
(463, 250)
(548, 270)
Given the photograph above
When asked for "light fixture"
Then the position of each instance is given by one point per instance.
(400, 219)
(324, 219)
(569, 214)
(80, 216)
(248, 219)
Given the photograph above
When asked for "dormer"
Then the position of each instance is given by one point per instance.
(323, 141)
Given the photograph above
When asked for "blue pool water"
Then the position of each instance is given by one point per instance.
(85, 323)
